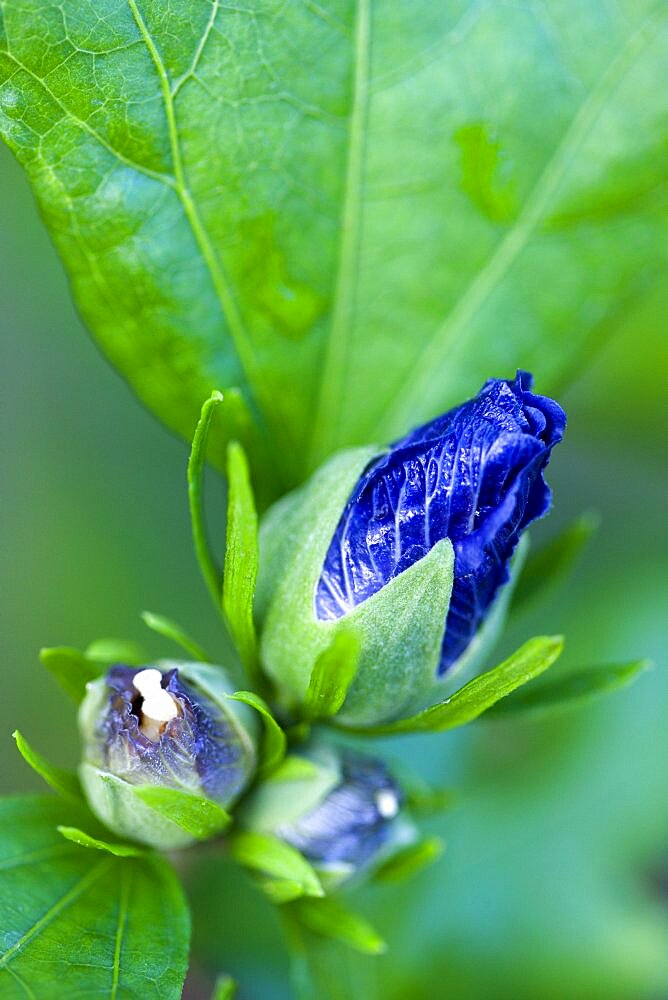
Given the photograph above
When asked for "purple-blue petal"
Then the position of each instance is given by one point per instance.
(199, 751)
(350, 825)
(473, 475)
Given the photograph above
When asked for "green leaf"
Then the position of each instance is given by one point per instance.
(63, 782)
(409, 860)
(211, 574)
(75, 923)
(72, 669)
(76, 836)
(481, 693)
(241, 559)
(329, 918)
(275, 740)
(553, 561)
(170, 630)
(332, 675)
(224, 989)
(271, 856)
(196, 815)
(578, 688)
(279, 220)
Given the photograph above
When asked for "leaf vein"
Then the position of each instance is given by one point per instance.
(215, 268)
(54, 911)
(455, 331)
(333, 377)
(124, 897)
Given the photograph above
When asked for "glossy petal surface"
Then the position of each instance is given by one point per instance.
(473, 475)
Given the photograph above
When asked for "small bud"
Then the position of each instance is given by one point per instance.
(411, 548)
(345, 816)
(169, 725)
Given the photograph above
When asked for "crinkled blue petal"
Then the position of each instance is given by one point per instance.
(473, 475)
(355, 819)
(198, 751)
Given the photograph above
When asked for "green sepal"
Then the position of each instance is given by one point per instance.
(275, 741)
(273, 857)
(400, 628)
(550, 563)
(241, 559)
(169, 629)
(294, 789)
(332, 675)
(141, 813)
(578, 688)
(77, 836)
(409, 860)
(72, 669)
(195, 814)
(481, 693)
(329, 918)
(65, 783)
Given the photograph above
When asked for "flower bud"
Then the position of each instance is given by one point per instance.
(411, 548)
(170, 725)
(343, 812)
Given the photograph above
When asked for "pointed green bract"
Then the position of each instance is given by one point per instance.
(266, 854)
(241, 558)
(576, 689)
(198, 816)
(170, 630)
(275, 741)
(481, 693)
(410, 860)
(84, 922)
(72, 669)
(211, 574)
(63, 782)
(76, 836)
(330, 918)
(332, 675)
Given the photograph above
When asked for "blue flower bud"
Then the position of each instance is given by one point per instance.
(170, 725)
(475, 476)
(408, 548)
(345, 817)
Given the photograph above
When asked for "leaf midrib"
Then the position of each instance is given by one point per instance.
(72, 894)
(332, 382)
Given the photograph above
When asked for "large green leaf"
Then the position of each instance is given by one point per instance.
(80, 923)
(352, 212)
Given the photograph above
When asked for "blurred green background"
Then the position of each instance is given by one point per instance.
(550, 885)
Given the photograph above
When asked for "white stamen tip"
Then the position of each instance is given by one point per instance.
(387, 803)
(158, 704)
